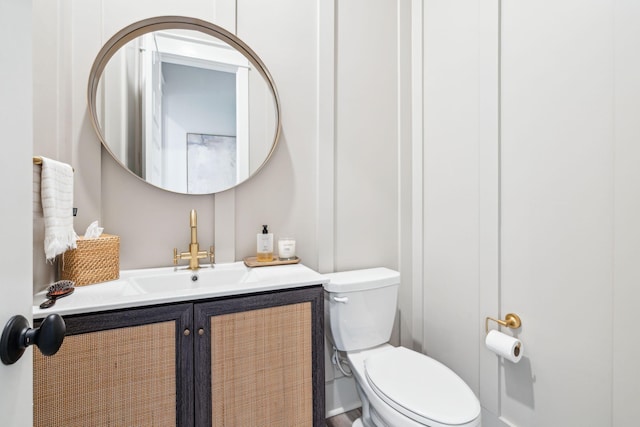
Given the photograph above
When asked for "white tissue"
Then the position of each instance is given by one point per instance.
(93, 231)
(504, 345)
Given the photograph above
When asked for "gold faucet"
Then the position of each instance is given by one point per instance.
(194, 253)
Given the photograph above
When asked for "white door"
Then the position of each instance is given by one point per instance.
(16, 389)
(569, 208)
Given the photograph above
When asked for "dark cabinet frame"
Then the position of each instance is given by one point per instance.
(204, 310)
(193, 398)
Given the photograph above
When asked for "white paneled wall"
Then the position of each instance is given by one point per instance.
(567, 176)
(451, 200)
(402, 124)
(368, 140)
(557, 209)
(367, 134)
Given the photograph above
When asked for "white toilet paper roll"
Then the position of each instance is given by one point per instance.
(504, 345)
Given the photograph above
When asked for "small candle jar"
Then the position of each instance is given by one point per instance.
(286, 248)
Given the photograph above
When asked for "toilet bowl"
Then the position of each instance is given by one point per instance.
(398, 387)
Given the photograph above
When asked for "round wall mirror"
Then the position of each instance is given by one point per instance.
(184, 105)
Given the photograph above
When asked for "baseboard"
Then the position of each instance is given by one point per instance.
(341, 396)
(489, 419)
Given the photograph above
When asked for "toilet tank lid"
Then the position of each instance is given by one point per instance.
(358, 280)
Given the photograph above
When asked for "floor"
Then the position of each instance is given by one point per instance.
(344, 420)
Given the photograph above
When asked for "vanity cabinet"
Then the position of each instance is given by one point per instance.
(253, 360)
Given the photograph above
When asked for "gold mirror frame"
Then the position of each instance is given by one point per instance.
(145, 26)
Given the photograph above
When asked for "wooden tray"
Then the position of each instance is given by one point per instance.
(252, 261)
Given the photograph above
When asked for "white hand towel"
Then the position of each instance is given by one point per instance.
(37, 199)
(56, 191)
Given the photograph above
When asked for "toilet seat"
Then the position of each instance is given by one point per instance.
(421, 388)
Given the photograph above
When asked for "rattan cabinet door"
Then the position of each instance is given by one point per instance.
(259, 360)
(124, 368)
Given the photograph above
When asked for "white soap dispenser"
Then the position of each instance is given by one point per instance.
(265, 245)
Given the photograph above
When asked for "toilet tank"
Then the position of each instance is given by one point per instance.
(360, 306)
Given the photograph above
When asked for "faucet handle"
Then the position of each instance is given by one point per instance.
(212, 254)
(175, 256)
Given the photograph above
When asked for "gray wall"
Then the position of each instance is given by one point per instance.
(285, 194)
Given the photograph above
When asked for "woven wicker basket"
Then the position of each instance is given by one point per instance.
(93, 261)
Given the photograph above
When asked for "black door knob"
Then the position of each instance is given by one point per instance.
(17, 336)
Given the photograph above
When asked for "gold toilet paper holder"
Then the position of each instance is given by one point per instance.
(511, 320)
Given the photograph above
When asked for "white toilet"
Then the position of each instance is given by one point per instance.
(398, 387)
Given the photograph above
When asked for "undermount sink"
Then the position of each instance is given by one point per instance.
(184, 279)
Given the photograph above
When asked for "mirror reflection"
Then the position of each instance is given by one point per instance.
(184, 110)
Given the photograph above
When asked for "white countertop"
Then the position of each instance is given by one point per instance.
(137, 288)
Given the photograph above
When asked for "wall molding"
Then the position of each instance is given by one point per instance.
(225, 202)
(326, 137)
(417, 171)
(489, 200)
